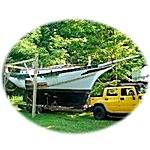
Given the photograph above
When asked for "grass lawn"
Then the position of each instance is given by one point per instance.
(69, 122)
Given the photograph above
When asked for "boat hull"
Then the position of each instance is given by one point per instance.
(68, 98)
(75, 80)
(69, 89)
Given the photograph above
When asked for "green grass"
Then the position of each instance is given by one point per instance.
(69, 122)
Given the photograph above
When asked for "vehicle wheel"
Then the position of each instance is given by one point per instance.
(99, 112)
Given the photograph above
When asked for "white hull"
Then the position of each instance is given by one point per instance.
(74, 80)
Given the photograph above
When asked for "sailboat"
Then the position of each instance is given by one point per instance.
(65, 85)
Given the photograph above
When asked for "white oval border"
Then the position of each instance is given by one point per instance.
(17, 18)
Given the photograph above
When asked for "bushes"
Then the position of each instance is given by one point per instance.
(98, 87)
(17, 100)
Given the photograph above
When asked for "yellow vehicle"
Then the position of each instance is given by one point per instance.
(115, 100)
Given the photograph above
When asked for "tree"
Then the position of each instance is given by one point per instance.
(72, 41)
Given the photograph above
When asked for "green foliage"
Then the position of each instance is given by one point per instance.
(72, 41)
(16, 100)
(99, 87)
(69, 123)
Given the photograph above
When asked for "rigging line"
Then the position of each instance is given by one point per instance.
(28, 71)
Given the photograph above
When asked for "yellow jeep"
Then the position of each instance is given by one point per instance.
(115, 100)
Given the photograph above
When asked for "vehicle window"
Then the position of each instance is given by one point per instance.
(112, 92)
(127, 92)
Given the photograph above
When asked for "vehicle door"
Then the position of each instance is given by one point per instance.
(111, 99)
(128, 100)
